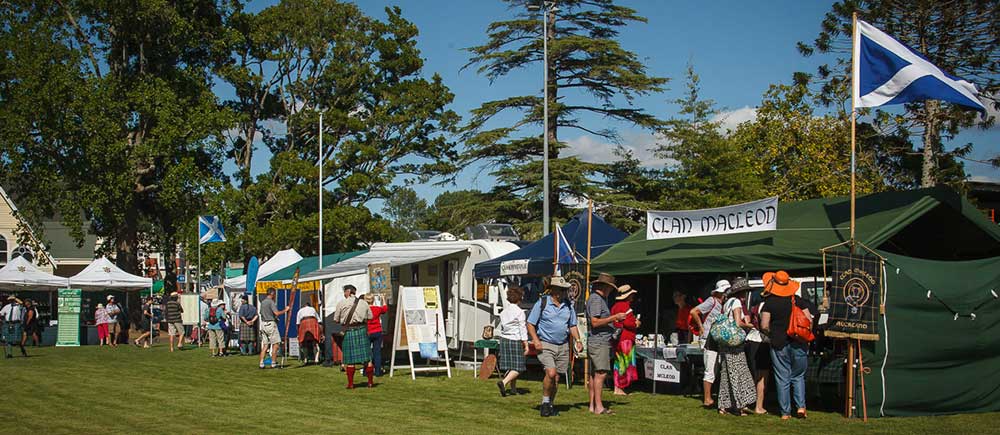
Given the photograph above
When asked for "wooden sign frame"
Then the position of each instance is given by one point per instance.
(400, 338)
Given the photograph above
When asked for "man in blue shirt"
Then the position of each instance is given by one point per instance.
(550, 324)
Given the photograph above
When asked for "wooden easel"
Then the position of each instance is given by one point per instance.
(400, 340)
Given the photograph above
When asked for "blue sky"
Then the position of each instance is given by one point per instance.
(738, 48)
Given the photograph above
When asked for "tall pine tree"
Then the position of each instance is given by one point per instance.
(589, 73)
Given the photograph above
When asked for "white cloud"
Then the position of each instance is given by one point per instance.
(597, 150)
(731, 119)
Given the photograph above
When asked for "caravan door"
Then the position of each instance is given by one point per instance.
(452, 298)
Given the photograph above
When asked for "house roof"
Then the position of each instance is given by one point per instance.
(31, 232)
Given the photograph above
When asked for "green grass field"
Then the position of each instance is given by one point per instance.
(101, 390)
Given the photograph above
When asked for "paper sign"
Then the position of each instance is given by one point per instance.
(743, 218)
(430, 298)
(514, 267)
(663, 371)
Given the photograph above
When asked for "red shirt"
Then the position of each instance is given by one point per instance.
(375, 324)
(683, 318)
(627, 326)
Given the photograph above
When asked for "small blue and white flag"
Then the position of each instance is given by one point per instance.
(887, 71)
(564, 252)
(210, 230)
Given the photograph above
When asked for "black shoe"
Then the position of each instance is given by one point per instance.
(503, 391)
(553, 412)
(546, 410)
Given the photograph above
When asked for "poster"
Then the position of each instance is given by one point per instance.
(189, 303)
(742, 218)
(854, 295)
(430, 298)
(422, 319)
(68, 332)
(379, 278)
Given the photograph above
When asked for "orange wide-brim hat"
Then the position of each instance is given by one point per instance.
(779, 284)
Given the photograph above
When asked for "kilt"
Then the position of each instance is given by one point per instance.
(309, 330)
(248, 332)
(12, 333)
(357, 349)
(511, 355)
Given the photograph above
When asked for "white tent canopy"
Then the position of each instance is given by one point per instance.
(396, 254)
(280, 260)
(19, 273)
(103, 274)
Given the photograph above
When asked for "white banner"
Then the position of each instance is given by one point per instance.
(743, 218)
(514, 267)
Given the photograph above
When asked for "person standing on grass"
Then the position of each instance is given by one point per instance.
(353, 314)
(269, 336)
(736, 385)
(247, 317)
(513, 337)
(146, 339)
(115, 314)
(625, 370)
(32, 324)
(550, 324)
(310, 332)
(216, 328)
(375, 331)
(11, 316)
(175, 325)
(101, 320)
(599, 339)
(789, 358)
(711, 309)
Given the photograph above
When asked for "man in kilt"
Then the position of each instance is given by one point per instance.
(353, 313)
(248, 327)
(11, 316)
(513, 337)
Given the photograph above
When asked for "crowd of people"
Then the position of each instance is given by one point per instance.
(744, 338)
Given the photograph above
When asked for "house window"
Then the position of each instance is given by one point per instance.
(3, 251)
(23, 251)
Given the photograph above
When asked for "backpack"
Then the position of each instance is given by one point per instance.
(213, 317)
(799, 325)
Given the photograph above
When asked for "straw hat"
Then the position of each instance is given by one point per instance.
(100, 305)
(216, 302)
(779, 284)
(605, 279)
(558, 282)
(625, 291)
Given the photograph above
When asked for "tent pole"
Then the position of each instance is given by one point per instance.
(854, 117)
(848, 412)
(197, 290)
(590, 216)
(656, 330)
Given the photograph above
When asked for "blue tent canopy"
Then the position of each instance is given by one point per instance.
(539, 253)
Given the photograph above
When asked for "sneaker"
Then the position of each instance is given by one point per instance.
(546, 409)
(503, 391)
(553, 412)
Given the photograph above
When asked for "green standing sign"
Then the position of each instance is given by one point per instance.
(69, 317)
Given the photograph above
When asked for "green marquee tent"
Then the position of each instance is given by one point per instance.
(939, 339)
(935, 223)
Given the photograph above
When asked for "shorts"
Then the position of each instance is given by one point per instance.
(269, 333)
(599, 352)
(554, 356)
(102, 331)
(114, 328)
(175, 328)
(758, 357)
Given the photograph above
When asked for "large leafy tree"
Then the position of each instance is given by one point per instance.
(589, 74)
(962, 37)
(384, 121)
(710, 170)
(109, 116)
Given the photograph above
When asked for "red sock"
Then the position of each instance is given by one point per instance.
(350, 377)
(370, 372)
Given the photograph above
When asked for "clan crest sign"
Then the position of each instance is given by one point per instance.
(854, 295)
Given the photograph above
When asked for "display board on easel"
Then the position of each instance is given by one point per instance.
(68, 333)
(420, 329)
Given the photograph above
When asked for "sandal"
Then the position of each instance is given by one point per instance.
(606, 411)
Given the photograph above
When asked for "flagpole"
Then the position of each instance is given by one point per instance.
(555, 251)
(854, 116)
(586, 297)
(197, 289)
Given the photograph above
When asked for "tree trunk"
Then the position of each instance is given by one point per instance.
(931, 140)
(551, 93)
(127, 242)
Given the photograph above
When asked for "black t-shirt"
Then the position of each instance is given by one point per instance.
(781, 312)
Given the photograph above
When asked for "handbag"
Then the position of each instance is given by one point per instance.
(727, 333)
(799, 325)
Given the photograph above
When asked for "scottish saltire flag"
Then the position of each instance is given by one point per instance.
(888, 72)
(564, 253)
(210, 230)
